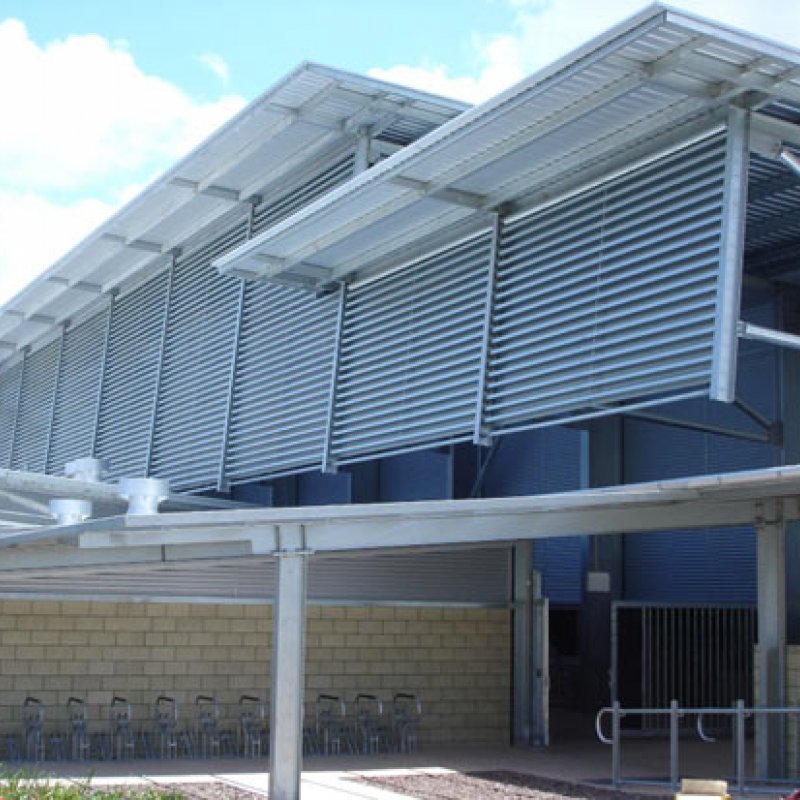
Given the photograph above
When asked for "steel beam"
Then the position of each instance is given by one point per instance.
(288, 665)
(479, 433)
(160, 366)
(237, 335)
(729, 288)
(328, 463)
(771, 658)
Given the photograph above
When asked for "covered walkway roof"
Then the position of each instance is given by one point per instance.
(651, 83)
(200, 546)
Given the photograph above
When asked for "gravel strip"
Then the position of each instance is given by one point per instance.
(494, 786)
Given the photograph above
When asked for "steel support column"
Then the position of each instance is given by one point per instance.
(328, 462)
(288, 665)
(56, 387)
(771, 665)
(604, 576)
(729, 291)
(522, 665)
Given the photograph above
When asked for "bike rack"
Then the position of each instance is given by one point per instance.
(406, 719)
(738, 714)
(122, 740)
(78, 716)
(370, 732)
(252, 727)
(33, 712)
(165, 717)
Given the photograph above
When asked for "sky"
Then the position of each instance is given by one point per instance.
(98, 98)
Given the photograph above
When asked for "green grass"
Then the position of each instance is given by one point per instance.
(22, 785)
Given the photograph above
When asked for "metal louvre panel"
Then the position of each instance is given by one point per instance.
(410, 354)
(269, 213)
(193, 392)
(126, 407)
(458, 576)
(282, 381)
(9, 397)
(36, 408)
(75, 413)
(610, 295)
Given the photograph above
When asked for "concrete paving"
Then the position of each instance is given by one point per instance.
(335, 777)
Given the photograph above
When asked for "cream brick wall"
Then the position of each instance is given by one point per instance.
(456, 659)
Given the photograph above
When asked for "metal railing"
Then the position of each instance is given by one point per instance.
(676, 716)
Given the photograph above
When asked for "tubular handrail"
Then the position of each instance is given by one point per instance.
(738, 713)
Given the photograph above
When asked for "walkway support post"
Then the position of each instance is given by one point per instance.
(522, 725)
(771, 667)
(288, 664)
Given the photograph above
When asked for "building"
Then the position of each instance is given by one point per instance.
(430, 334)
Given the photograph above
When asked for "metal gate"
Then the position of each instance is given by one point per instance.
(699, 655)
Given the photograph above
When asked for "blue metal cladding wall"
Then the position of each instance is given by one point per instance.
(319, 489)
(414, 476)
(712, 565)
(539, 462)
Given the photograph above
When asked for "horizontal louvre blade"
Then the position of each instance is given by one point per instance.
(36, 408)
(9, 396)
(609, 296)
(282, 381)
(78, 387)
(410, 354)
(126, 407)
(193, 392)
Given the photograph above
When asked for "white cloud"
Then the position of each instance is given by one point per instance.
(217, 64)
(81, 120)
(35, 232)
(545, 30)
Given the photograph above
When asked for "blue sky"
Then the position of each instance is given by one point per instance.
(260, 40)
(100, 96)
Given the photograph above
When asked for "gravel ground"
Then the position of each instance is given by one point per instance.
(216, 790)
(494, 786)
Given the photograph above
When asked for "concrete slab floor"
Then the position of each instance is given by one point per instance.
(332, 777)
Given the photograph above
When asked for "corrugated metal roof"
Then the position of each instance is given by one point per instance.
(649, 84)
(312, 111)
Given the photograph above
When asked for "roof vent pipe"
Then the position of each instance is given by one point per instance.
(86, 469)
(68, 511)
(143, 494)
(791, 159)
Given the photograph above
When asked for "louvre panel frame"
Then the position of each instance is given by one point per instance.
(410, 354)
(75, 412)
(573, 276)
(130, 378)
(35, 412)
(280, 395)
(199, 345)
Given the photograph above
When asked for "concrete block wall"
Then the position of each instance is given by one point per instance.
(792, 699)
(456, 659)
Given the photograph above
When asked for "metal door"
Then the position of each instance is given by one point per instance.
(540, 690)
